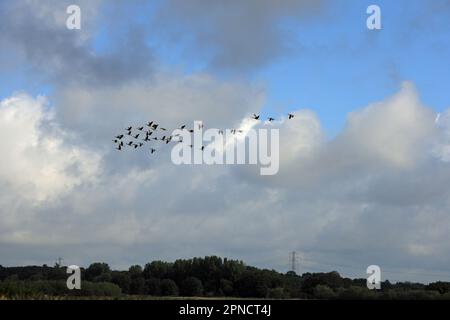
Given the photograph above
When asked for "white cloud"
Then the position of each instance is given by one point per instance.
(169, 99)
(36, 162)
(393, 135)
(37, 165)
(394, 132)
(376, 193)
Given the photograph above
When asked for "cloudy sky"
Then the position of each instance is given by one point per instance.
(364, 166)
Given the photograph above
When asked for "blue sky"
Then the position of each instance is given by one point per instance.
(335, 65)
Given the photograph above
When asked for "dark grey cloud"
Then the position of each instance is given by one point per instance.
(36, 31)
(235, 35)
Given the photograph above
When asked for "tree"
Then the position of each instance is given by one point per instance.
(98, 272)
(157, 269)
(192, 287)
(322, 291)
(169, 288)
(99, 289)
(359, 293)
(138, 286)
(122, 279)
(135, 271)
(226, 287)
(440, 286)
(330, 279)
(153, 286)
(276, 293)
(251, 284)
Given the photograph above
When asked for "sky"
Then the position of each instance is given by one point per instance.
(364, 165)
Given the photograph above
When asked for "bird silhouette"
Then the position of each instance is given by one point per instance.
(152, 127)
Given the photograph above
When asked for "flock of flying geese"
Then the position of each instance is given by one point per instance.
(138, 136)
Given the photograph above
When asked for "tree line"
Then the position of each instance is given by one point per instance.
(203, 277)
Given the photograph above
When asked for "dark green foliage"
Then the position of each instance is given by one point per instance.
(138, 286)
(226, 288)
(121, 279)
(168, 287)
(441, 287)
(332, 280)
(31, 289)
(322, 291)
(251, 284)
(98, 272)
(192, 287)
(153, 286)
(209, 277)
(98, 289)
(157, 269)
